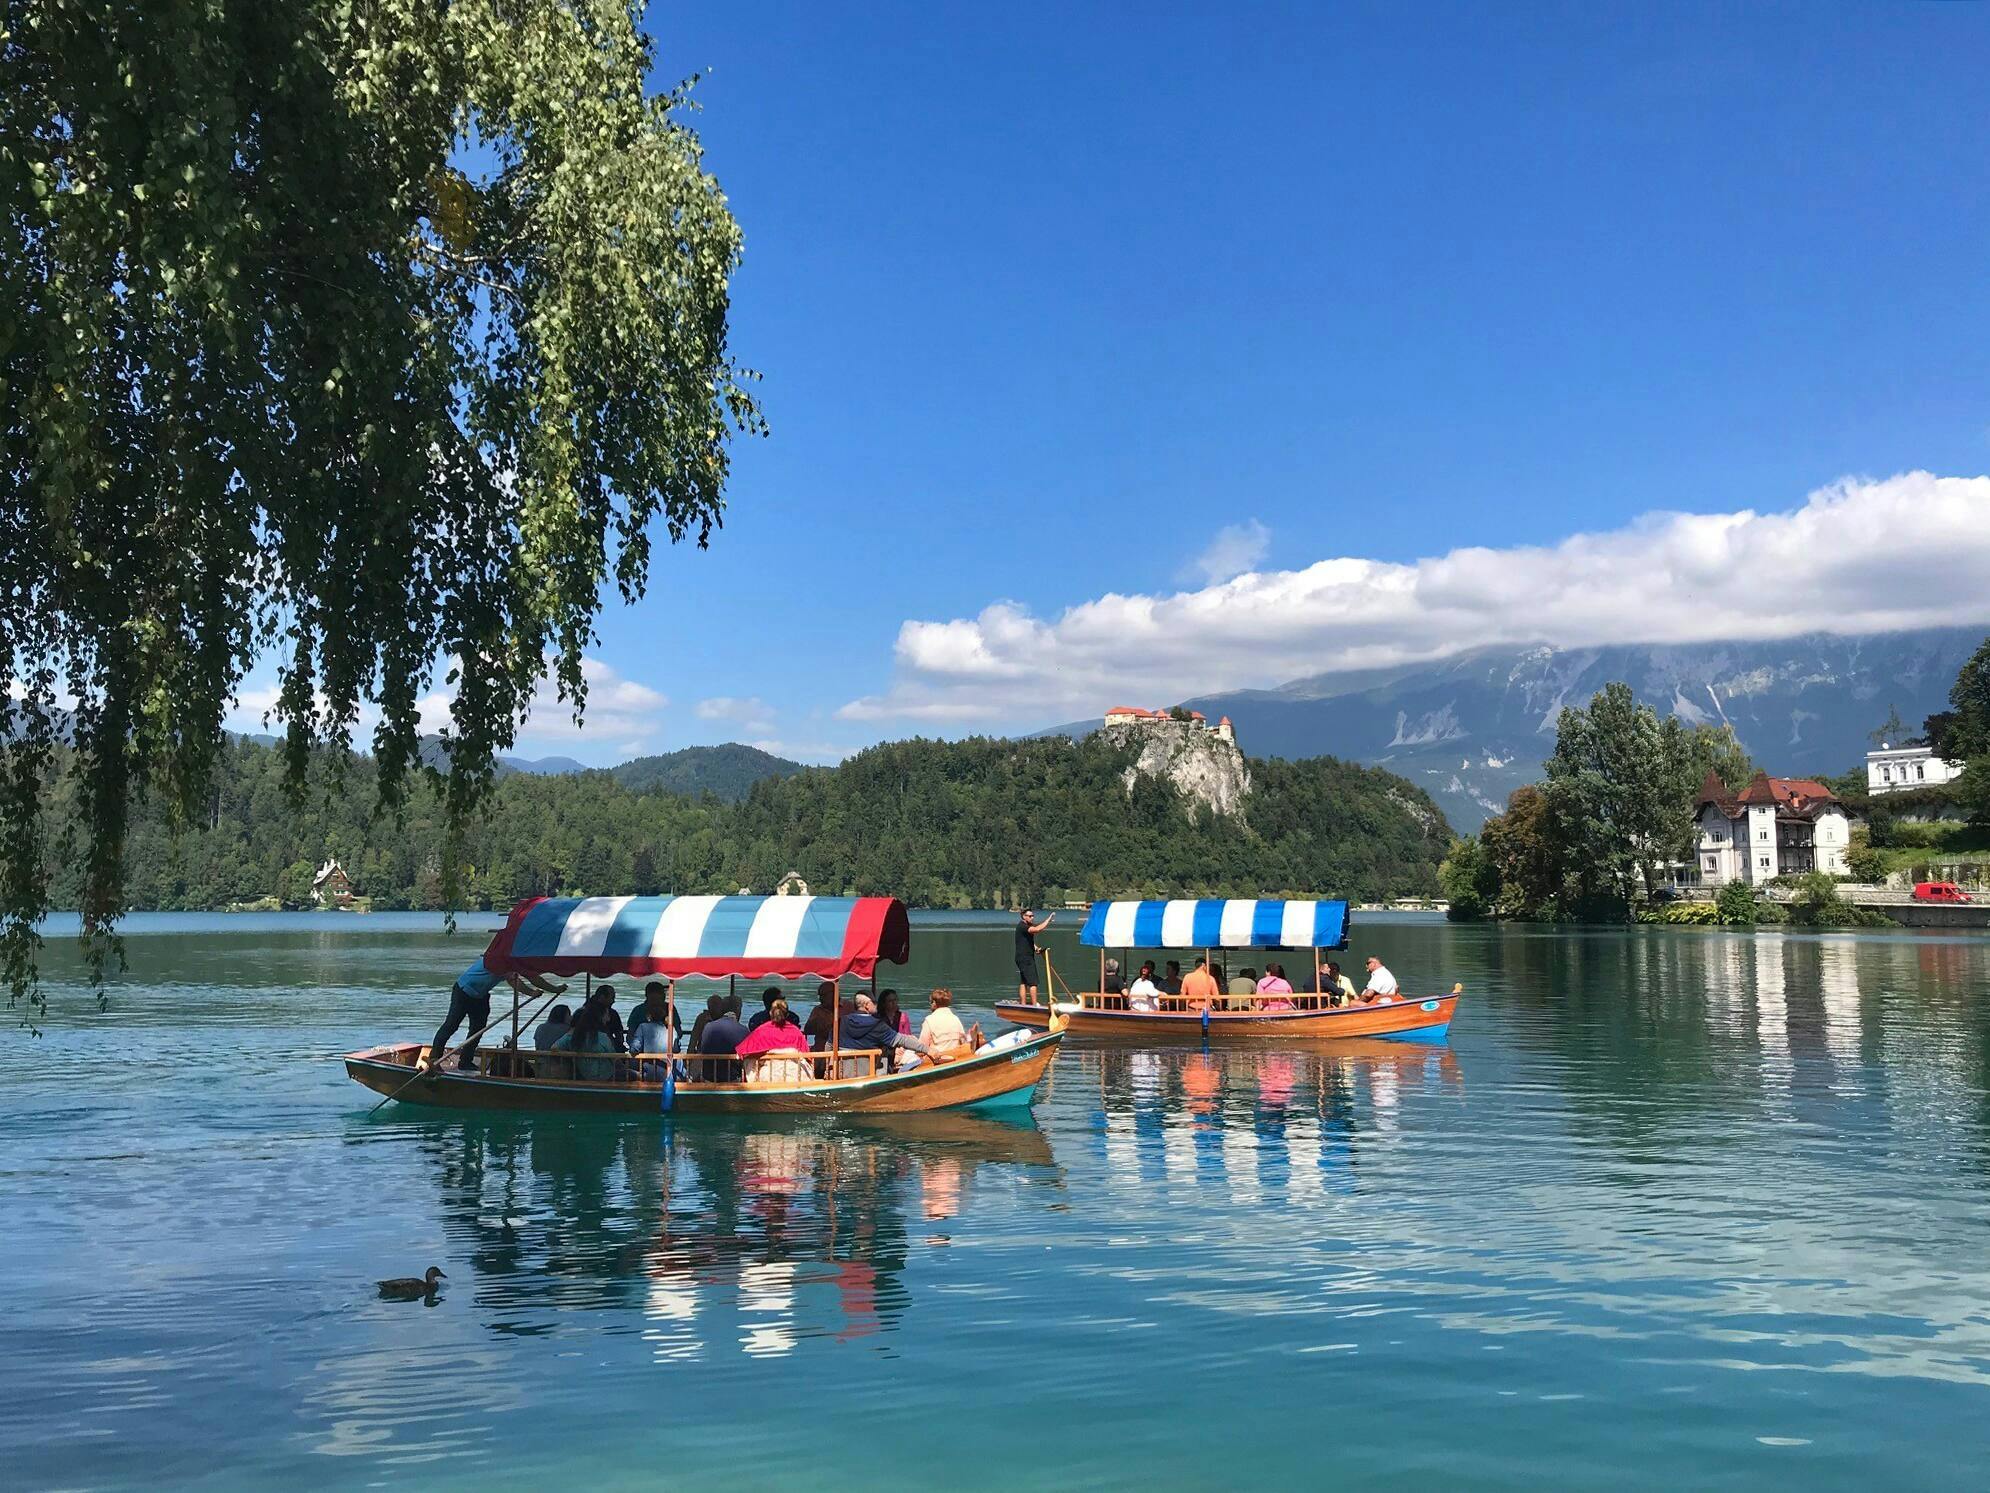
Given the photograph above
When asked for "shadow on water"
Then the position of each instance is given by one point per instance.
(682, 1222)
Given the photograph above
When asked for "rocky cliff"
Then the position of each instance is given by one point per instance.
(1205, 768)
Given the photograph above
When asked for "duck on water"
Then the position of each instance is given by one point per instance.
(412, 1287)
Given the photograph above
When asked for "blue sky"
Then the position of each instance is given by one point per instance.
(1047, 298)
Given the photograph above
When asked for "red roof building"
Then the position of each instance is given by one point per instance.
(1772, 827)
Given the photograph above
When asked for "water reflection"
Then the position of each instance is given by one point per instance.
(1256, 1125)
(723, 1239)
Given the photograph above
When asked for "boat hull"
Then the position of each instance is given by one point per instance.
(1002, 1079)
(1414, 1019)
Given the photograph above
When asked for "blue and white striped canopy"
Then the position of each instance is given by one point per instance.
(1216, 923)
(672, 937)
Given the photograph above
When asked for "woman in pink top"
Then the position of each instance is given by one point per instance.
(779, 1030)
(1275, 985)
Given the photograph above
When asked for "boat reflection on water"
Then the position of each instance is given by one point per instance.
(1253, 1120)
(725, 1237)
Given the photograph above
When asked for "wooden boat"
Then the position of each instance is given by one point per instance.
(831, 939)
(1210, 924)
(1090, 1014)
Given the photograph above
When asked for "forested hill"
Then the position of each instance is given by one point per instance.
(727, 771)
(965, 823)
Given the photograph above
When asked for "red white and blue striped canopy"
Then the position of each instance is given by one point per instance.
(674, 937)
(1217, 923)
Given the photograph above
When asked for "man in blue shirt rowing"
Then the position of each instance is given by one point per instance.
(471, 1001)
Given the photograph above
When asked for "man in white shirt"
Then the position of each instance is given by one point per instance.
(1380, 982)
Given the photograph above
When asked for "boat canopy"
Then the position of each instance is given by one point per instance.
(1216, 923)
(673, 937)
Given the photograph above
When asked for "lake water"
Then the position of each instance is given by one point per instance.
(1671, 1209)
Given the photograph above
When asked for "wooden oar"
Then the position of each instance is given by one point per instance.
(435, 1061)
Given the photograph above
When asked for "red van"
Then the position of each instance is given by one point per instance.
(1939, 891)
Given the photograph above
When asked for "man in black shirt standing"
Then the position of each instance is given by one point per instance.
(1026, 932)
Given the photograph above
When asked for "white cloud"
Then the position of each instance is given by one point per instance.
(619, 710)
(1858, 556)
(751, 712)
(1237, 548)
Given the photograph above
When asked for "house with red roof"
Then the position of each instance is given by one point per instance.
(1772, 827)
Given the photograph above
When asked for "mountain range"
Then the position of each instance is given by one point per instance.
(1471, 728)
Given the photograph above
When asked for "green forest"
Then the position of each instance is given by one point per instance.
(728, 771)
(971, 823)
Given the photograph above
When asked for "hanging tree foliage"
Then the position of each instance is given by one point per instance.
(361, 334)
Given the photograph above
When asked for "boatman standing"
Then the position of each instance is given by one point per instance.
(1026, 932)
(470, 1001)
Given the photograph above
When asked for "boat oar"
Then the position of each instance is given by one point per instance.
(435, 1060)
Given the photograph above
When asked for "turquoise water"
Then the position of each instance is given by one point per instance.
(1671, 1208)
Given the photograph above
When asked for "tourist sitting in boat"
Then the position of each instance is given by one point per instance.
(713, 1005)
(761, 1017)
(1199, 987)
(1171, 981)
(723, 1034)
(1339, 988)
(1242, 988)
(821, 1023)
(863, 1029)
(612, 1028)
(552, 1028)
(942, 1031)
(655, 1022)
(1381, 984)
(891, 1014)
(589, 1034)
(769, 1049)
(1272, 989)
(1143, 994)
(1112, 982)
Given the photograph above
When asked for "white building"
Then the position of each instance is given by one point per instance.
(1894, 768)
(1773, 827)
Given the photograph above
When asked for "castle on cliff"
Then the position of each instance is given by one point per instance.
(1133, 715)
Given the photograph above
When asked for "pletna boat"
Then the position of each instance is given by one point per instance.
(813, 939)
(1211, 924)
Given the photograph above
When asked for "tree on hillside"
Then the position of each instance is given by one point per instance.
(1716, 749)
(1890, 732)
(1469, 881)
(1522, 846)
(293, 888)
(1620, 788)
(363, 335)
(1972, 790)
(1962, 732)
